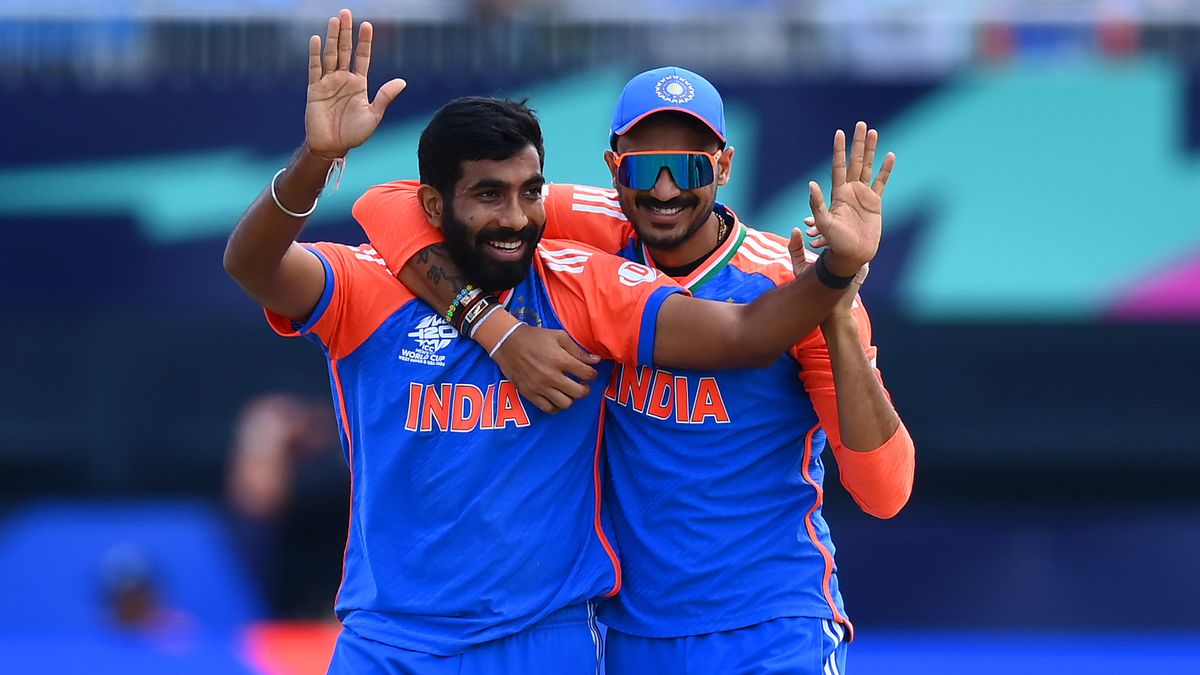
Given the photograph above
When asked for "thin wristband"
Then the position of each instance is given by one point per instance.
(503, 338)
(285, 209)
(479, 324)
(477, 309)
(499, 323)
(338, 164)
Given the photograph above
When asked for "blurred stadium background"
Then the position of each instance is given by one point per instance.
(169, 504)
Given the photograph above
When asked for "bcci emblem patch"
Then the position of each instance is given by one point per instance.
(675, 89)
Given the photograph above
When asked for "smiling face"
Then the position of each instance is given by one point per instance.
(666, 216)
(495, 217)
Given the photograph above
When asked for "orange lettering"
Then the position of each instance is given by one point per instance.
(681, 399)
(436, 408)
(709, 402)
(660, 395)
(610, 391)
(489, 408)
(468, 404)
(510, 409)
(635, 382)
(414, 405)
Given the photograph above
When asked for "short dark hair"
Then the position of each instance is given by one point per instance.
(473, 128)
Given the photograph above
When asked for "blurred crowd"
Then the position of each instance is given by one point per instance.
(286, 496)
(100, 44)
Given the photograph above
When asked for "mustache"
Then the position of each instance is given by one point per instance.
(678, 202)
(527, 234)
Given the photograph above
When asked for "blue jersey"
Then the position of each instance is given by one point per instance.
(716, 483)
(716, 478)
(473, 514)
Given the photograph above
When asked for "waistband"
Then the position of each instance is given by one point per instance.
(571, 614)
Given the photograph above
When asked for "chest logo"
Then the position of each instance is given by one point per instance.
(430, 336)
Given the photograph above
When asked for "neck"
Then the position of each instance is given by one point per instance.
(698, 245)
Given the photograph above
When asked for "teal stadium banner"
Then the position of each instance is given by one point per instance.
(1021, 193)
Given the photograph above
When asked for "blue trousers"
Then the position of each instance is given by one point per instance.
(787, 646)
(567, 642)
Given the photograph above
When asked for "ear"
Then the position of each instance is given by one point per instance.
(431, 202)
(725, 166)
(610, 158)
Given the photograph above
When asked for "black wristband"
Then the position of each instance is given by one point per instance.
(473, 313)
(829, 278)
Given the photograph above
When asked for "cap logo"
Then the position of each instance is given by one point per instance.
(675, 89)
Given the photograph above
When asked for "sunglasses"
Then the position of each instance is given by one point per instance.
(689, 170)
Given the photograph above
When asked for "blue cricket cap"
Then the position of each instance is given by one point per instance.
(668, 88)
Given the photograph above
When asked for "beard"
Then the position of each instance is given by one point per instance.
(654, 236)
(472, 257)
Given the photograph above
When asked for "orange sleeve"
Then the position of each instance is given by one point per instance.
(587, 214)
(360, 294)
(394, 221)
(880, 480)
(607, 304)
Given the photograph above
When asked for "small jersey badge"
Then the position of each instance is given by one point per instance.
(632, 274)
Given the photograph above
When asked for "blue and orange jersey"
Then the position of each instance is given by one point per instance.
(473, 514)
(717, 478)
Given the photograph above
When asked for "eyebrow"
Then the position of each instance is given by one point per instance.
(497, 184)
(487, 183)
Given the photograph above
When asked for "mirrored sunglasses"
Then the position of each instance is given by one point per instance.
(689, 170)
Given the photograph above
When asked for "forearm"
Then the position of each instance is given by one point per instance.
(264, 234)
(433, 276)
(865, 415)
(781, 317)
(705, 334)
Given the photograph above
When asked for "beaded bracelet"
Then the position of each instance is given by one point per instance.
(467, 294)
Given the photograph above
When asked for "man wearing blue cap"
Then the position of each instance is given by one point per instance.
(715, 479)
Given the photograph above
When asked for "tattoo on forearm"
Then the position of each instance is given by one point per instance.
(439, 268)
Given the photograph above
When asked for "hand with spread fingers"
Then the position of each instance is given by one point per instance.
(852, 224)
(338, 116)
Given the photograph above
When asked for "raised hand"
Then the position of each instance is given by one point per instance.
(338, 116)
(852, 225)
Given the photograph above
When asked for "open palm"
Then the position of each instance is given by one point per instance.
(338, 115)
(853, 223)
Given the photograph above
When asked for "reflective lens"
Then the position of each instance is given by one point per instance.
(689, 170)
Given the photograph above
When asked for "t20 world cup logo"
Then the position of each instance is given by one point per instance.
(433, 334)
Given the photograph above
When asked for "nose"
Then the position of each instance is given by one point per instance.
(512, 216)
(665, 189)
